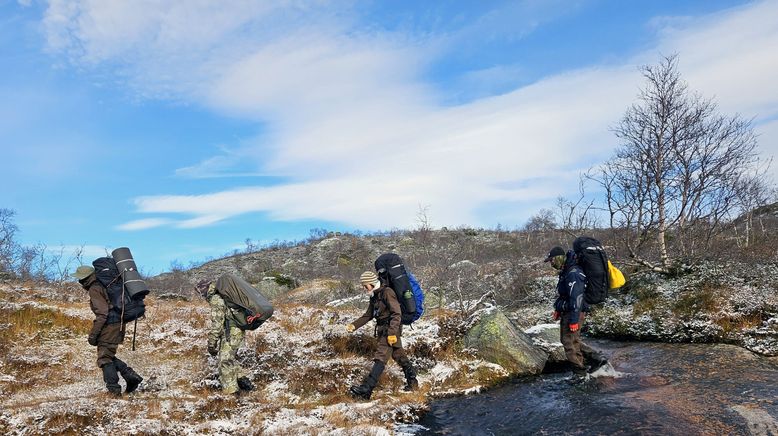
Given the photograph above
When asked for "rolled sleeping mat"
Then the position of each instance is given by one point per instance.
(133, 283)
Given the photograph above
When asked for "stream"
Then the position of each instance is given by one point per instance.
(667, 389)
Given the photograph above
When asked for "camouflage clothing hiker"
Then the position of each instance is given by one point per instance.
(106, 334)
(224, 340)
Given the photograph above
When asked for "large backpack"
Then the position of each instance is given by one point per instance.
(124, 306)
(393, 273)
(250, 307)
(591, 257)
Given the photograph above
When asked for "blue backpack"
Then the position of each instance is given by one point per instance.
(418, 295)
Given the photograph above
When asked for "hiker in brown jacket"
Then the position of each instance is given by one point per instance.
(106, 334)
(385, 309)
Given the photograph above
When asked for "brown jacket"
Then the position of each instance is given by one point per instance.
(98, 302)
(385, 308)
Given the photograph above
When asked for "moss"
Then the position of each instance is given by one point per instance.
(283, 280)
(343, 260)
(705, 299)
(646, 306)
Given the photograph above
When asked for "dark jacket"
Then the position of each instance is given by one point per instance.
(385, 308)
(100, 305)
(570, 290)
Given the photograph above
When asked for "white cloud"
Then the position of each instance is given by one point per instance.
(360, 137)
(143, 224)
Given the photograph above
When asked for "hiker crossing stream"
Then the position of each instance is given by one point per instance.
(668, 389)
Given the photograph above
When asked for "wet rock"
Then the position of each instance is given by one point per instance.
(546, 336)
(496, 339)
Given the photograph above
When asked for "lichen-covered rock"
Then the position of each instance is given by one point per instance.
(496, 339)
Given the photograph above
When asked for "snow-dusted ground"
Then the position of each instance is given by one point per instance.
(302, 362)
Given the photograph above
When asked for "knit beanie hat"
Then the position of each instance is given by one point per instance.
(368, 278)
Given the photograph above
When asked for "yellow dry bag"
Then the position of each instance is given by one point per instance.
(615, 277)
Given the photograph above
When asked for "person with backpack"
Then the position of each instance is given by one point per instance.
(571, 308)
(385, 309)
(106, 334)
(225, 337)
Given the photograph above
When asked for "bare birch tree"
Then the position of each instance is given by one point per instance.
(677, 171)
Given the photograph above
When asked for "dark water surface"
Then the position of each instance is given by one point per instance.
(664, 389)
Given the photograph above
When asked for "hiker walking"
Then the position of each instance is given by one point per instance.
(385, 309)
(106, 334)
(224, 339)
(571, 308)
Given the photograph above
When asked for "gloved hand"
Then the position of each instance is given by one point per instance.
(555, 315)
(391, 340)
(213, 349)
(350, 328)
(92, 339)
(574, 327)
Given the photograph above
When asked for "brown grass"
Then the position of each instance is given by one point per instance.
(706, 299)
(72, 422)
(353, 345)
(29, 321)
(736, 324)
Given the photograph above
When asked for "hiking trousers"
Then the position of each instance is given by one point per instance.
(384, 351)
(108, 342)
(229, 369)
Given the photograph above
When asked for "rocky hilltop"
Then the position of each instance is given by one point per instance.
(727, 301)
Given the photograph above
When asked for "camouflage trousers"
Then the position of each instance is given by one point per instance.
(229, 370)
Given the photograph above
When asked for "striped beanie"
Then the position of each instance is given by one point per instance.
(368, 278)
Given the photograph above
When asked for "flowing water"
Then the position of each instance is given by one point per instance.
(663, 389)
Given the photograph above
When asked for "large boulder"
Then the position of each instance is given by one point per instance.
(546, 336)
(496, 339)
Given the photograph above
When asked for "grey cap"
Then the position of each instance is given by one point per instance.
(83, 271)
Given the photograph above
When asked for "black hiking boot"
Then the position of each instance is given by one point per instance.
(111, 379)
(411, 384)
(244, 384)
(597, 364)
(579, 376)
(365, 390)
(130, 377)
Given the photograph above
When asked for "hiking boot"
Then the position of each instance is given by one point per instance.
(130, 377)
(365, 390)
(244, 384)
(111, 379)
(362, 392)
(579, 376)
(133, 380)
(577, 379)
(597, 364)
(411, 384)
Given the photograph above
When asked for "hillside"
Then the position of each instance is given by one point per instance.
(718, 300)
(301, 362)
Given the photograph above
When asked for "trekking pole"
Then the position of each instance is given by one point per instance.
(134, 328)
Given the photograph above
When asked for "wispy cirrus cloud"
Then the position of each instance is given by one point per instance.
(353, 128)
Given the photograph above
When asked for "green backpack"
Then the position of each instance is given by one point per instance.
(250, 307)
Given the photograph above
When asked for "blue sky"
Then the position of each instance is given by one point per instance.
(182, 130)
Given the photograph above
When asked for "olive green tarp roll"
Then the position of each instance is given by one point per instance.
(239, 294)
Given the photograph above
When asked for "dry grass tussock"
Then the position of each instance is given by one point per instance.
(301, 361)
